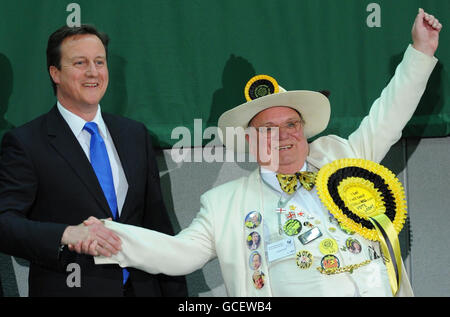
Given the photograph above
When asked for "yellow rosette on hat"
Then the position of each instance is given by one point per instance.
(260, 86)
(367, 198)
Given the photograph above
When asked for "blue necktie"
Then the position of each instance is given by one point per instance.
(102, 168)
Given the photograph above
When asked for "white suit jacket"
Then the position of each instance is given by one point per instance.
(218, 229)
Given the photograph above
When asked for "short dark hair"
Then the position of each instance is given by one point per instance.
(55, 40)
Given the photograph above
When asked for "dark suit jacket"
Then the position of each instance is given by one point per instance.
(47, 183)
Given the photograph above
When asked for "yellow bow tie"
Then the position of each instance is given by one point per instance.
(289, 182)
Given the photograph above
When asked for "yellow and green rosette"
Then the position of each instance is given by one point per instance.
(367, 198)
(260, 86)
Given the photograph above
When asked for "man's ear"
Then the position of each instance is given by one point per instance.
(54, 73)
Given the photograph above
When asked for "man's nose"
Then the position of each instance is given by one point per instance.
(92, 69)
(283, 133)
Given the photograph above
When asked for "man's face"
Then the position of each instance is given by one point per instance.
(292, 147)
(83, 77)
(256, 261)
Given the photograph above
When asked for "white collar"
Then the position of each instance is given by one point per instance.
(77, 123)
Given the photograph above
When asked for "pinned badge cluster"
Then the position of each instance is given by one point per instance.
(253, 241)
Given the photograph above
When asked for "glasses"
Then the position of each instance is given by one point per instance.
(289, 126)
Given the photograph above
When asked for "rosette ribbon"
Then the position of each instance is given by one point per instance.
(391, 249)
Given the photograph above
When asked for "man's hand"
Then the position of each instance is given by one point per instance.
(91, 237)
(425, 33)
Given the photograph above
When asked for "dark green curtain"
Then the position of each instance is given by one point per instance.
(173, 61)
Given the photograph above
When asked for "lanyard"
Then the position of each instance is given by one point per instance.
(282, 202)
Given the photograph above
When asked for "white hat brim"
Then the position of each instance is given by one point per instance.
(313, 106)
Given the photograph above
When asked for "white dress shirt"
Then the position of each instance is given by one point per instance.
(76, 124)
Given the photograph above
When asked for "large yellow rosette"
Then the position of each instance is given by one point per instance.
(367, 198)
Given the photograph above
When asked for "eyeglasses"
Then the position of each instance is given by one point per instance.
(289, 126)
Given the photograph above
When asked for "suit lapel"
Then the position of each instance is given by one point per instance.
(65, 143)
(121, 140)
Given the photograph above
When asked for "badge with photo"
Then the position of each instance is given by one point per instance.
(253, 219)
(258, 278)
(253, 240)
(353, 245)
(255, 260)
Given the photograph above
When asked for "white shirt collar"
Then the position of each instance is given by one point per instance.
(77, 123)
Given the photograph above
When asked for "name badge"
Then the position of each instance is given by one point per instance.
(280, 249)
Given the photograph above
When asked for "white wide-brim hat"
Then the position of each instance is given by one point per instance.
(313, 106)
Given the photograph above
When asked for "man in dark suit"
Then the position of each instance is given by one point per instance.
(51, 179)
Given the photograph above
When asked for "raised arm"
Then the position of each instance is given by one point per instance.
(389, 114)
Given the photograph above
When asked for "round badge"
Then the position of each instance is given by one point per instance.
(353, 245)
(255, 260)
(304, 259)
(253, 240)
(330, 261)
(258, 279)
(253, 219)
(328, 246)
(292, 227)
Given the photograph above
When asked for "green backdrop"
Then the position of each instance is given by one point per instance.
(173, 61)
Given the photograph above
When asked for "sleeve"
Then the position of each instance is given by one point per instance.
(20, 236)
(156, 252)
(388, 115)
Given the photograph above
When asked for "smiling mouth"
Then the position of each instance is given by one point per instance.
(90, 85)
(285, 147)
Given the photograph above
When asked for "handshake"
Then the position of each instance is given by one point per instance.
(91, 237)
